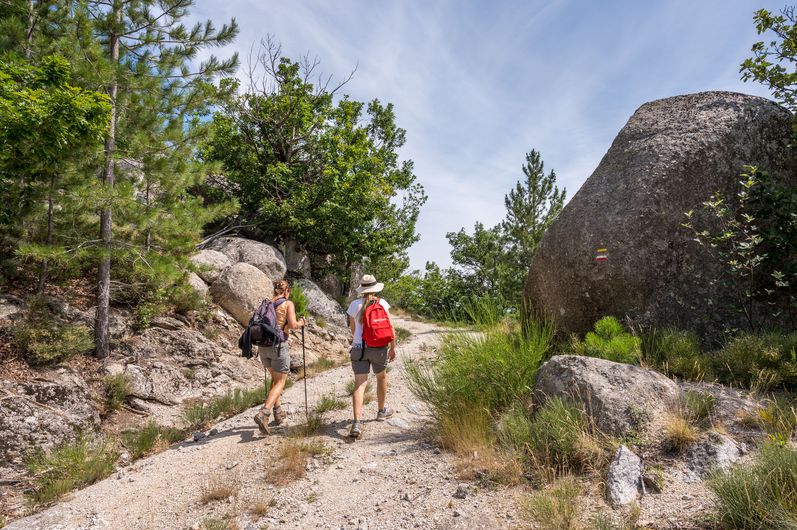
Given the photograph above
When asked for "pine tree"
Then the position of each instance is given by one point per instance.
(158, 93)
(530, 208)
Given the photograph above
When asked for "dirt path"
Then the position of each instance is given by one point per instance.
(392, 478)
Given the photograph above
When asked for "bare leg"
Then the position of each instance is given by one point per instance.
(277, 385)
(360, 382)
(381, 388)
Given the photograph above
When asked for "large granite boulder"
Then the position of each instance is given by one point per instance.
(619, 398)
(240, 289)
(320, 304)
(265, 257)
(210, 263)
(43, 414)
(669, 158)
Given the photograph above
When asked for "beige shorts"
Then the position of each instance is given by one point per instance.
(362, 361)
(278, 358)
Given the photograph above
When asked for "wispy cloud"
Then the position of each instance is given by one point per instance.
(478, 84)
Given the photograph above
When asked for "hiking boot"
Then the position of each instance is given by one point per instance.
(279, 415)
(261, 418)
(384, 414)
(356, 430)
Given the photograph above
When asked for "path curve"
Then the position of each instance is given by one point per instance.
(393, 478)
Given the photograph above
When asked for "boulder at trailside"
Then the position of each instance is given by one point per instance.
(321, 304)
(619, 247)
(265, 257)
(211, 264)
(619, 398)
(240, 289)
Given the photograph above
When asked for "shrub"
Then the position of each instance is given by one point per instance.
(117, 389)
(611, 341)
(299, 300)
(762, 495)
(48, 341)
(554, 508)
(555, 438)
(69, 466)
(676, 353)
(760, 361)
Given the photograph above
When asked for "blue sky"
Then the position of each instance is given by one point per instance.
(478, 84)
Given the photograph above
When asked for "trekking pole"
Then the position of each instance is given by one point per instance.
(304, 371)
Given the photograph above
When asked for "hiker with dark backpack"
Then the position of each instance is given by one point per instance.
(275, 317)
(373, 346)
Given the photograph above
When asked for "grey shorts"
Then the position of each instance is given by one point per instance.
(371, 359)
(278, 358)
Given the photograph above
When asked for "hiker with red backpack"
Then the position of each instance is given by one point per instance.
(373, 346)
(273, 319)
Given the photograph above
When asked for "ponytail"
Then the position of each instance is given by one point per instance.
(370, 299)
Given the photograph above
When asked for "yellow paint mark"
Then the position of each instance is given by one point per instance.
(603, 249)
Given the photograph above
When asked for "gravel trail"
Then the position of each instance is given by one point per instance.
(395, 477)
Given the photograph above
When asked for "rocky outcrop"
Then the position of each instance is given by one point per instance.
(669, 158)
(198, 284)
(42, 413)
(320, 304)
(618, 397)
(264, 257)
(210, 264)
(240, 289)
(715, 451)
(624, 480)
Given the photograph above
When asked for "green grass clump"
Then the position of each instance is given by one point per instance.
(554, 508)
(45, 342)
(330, 402)
(698, 406)
(299, 300)
(232, 402)
(675, 353)
(117, 389)
(69, 466)
(611, 341)
(484, 312)
(779, 418)
(402, 334)
(147, 439)
(759, 361)
(763, 495)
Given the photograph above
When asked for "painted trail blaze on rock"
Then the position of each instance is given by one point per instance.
(618, 247)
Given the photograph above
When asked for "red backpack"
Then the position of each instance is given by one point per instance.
(377, 330)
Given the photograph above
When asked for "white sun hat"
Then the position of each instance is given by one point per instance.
(369, 285)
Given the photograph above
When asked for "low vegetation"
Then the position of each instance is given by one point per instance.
(330, 402)
(611, 341)
(402, 334)
(762, 495)
(231, 403)
(219, 489)
(150, 438)
(69, 466)
(43, 338)
(554, 508)
(779, 419)
(117, 389)
(369, 391)
(292, 459)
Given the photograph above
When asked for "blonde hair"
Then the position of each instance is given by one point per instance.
(370, 299)
(281, 287)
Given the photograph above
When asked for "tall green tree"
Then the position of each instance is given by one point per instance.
(158, 92)
(44, 122)
(531, 207)
(316, 168)
(774, 62)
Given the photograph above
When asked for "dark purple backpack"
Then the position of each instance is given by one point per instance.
(263, 330)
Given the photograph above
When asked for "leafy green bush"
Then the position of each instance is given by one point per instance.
(763, 495)
(760, 361)
(299, 300)
(117, 389)
(676, 353)
(69, 466)
(611, 341)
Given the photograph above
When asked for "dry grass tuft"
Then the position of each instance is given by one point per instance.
(679, 433)
(554, 508)
(292, 458)
(219, 488)
(261, 507)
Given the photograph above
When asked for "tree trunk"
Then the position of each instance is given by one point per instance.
(29, 32)
(45, 264)
(101, 335)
